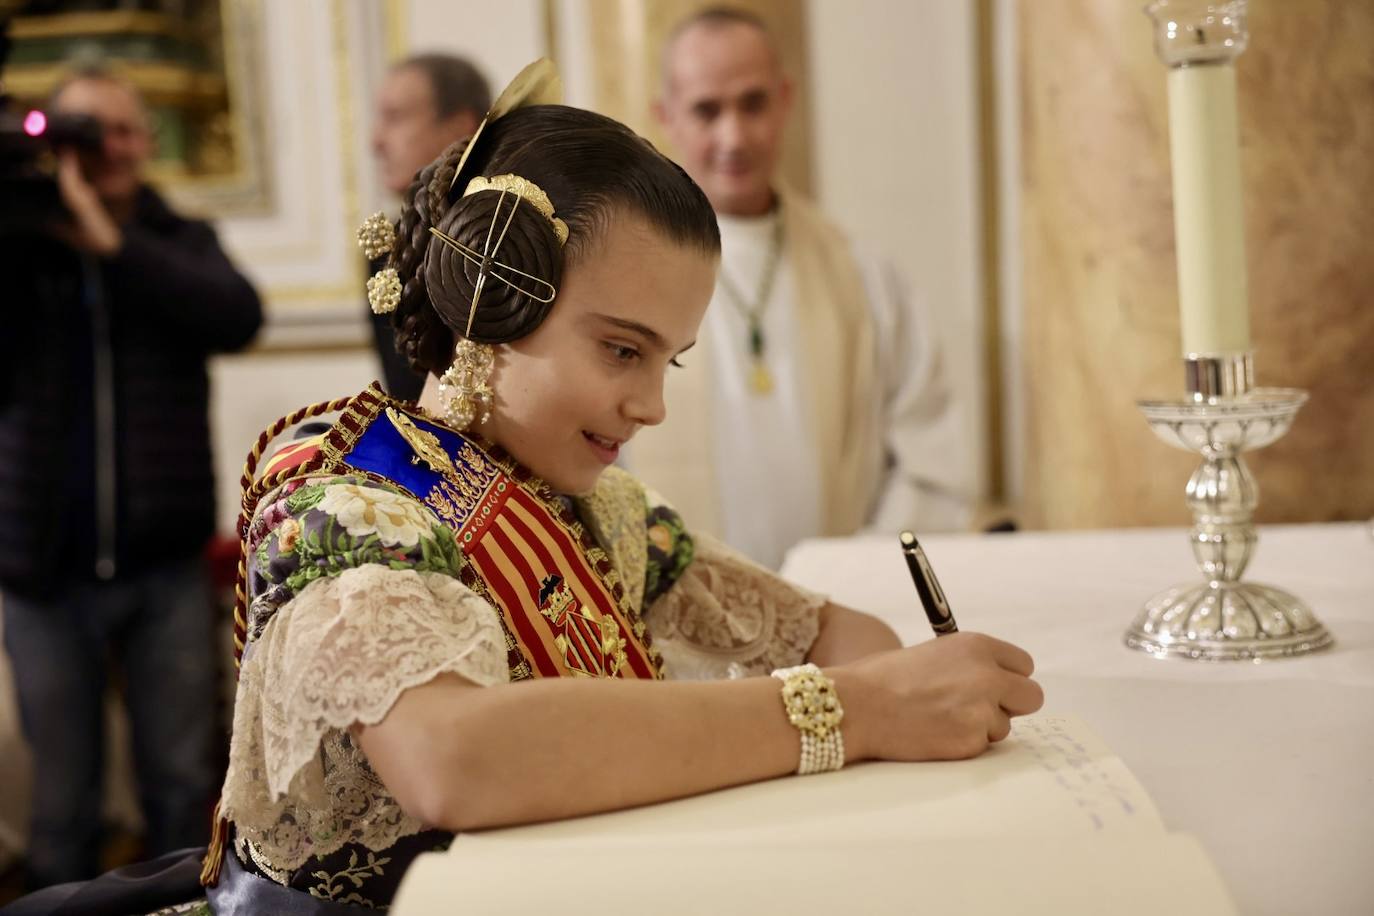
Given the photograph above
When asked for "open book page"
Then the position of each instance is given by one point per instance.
(1049, 815)
(1132, 874)
(1053, 776)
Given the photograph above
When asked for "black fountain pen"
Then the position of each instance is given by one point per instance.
(928, 587)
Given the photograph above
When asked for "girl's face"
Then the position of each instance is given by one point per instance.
(569, 395)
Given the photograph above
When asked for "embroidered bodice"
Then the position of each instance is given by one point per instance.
(362, 585)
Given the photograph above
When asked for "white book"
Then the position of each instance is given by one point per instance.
(1048, 821)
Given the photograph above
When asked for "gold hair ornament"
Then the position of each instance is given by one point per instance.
(527, 191)
(384, 291)
(376, 235)
(463, 388)
(537, 84)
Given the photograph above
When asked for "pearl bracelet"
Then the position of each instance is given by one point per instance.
(813, 707)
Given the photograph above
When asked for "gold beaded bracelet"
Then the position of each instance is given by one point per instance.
(813, 707)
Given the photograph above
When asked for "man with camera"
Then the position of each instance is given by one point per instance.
(106, 490)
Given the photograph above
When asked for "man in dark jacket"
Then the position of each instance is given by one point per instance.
(106, 490)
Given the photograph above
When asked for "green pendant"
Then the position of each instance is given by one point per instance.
(760, 379)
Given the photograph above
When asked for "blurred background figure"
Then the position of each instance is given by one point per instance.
(106, 486)
(816, 404)
(426, 102)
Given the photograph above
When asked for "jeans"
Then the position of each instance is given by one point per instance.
(157, 628)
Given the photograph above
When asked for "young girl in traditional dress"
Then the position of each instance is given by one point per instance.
(459, 613)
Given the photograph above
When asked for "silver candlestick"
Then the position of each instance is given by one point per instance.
(1224, 618)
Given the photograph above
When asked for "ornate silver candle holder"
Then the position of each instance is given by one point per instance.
(1224, 618)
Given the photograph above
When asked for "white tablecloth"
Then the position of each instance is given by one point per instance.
(1270, 764)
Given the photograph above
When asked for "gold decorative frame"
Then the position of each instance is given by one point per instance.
(247, 189)
(990, 257)
(352, 284)
(241, 189)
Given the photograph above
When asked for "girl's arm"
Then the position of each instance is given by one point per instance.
(846, 634)
(462, 757)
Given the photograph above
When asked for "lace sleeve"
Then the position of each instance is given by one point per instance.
(341, 653)
(726, 616)
(354, 598)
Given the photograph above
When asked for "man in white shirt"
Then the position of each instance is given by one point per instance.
(814, 403)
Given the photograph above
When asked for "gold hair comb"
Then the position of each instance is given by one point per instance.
(526, 190)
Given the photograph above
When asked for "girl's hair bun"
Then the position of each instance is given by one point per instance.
(527, 242)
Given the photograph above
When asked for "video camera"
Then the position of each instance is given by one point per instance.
(27, 140)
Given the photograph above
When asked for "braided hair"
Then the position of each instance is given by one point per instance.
(593, 168)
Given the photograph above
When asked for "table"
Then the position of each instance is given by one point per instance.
(1270, 764)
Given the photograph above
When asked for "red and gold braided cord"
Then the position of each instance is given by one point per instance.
(252, 492)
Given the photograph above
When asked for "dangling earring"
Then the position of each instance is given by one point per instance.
(463, 387)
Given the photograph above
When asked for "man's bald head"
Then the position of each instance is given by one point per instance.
(724, 105)
(716, 18)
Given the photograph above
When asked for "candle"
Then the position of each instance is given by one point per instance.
(1208, 219)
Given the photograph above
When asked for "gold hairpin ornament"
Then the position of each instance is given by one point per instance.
(537, 84)
(486, 262)
(527, 191)
(376, 236)
(384, 291)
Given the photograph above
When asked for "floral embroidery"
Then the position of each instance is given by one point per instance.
(296, 538)
(192, 908)
(670, 551)
(331, 885)
(396, 519)
(661, 537)
(289, 535)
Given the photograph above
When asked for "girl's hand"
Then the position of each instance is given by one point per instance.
(945, 699)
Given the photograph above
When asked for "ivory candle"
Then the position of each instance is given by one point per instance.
(1208, 218)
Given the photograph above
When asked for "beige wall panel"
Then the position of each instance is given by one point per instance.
(1099, 284)
(896, 155)
(626, 39)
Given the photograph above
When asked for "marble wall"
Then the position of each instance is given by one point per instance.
(1100, 320)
